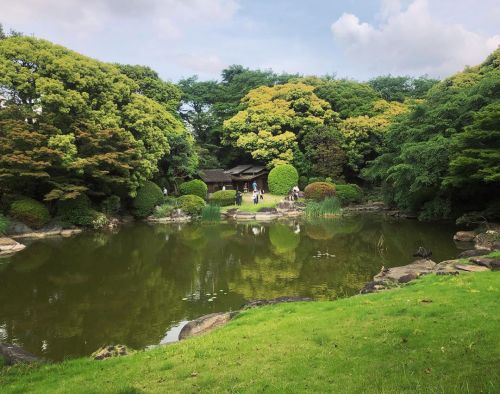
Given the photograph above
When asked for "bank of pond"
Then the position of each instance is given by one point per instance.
(65, 297)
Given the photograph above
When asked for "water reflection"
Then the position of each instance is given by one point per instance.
(66, 297)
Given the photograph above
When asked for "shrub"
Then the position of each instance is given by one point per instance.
(210, 213)
(111, 205)
(435, 209)
(4, 224)
(77, 211)
(348, 194)
(191, 204)
(163, 210)
(31, 212)
(319, 191)
(223, 198)
(148, 197)
(195, 187)
(282, 179)
(99, 220)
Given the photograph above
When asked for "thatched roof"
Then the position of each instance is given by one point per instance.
(215, 176)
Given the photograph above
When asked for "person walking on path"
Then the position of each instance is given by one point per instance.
(261, 194)
(238, 198)
(254, 186)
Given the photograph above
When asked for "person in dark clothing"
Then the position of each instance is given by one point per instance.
(238, 198)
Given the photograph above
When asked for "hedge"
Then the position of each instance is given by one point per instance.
(282, 179)
(349, 194)
(195, 187)
(4, 224)
(191, 204)
(319, 191)
(31, 212)
(223, 198)
(148, 197)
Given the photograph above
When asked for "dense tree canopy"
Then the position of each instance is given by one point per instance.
(275, 120)
(75, 124)
(442, 156)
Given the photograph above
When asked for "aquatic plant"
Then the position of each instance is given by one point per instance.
(210, 213)
(329, 206)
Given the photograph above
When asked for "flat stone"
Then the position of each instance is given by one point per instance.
(13, 354)
(464, 236)
(4, 242)
(265, 216)
(447, 267)
(205, 324)
(492, 263)
(471, 268)
(473, 253)
(70, 231)
(417, 268)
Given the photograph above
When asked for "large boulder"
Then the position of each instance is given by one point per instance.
(417, 268)
(491, 263)
(488, 240)
(205, 324)
(13, 354)
(464, 236)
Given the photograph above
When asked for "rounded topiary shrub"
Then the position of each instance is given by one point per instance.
(195, 187)
(282, 179)
(148, 197)
(77, 211)
(319, 191)
(191, 204)
(30, 212)
(223, 198)
(349, 194)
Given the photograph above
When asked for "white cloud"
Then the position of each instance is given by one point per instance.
(170, 18)
(410, 41)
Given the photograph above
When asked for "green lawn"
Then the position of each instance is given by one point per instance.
(269, 201)
(439, 334)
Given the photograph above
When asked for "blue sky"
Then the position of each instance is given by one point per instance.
(350, 38)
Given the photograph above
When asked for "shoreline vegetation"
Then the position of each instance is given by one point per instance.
(393, 341)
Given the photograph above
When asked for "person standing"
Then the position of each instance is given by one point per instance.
(254, 186)
(255, 197)
(261, 194)
(165, 192)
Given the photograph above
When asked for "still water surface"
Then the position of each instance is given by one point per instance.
(62, 298)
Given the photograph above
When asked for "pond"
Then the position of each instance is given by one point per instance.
(62, 298)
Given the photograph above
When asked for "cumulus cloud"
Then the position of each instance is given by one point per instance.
(410, 41)
(170, 18)
(200, 63)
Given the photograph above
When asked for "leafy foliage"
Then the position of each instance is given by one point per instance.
(77, 211)
(191, 204)
(348, 194)
(31, 212)
(275, 119)
(148, 197)
(195, 187)
(442, 156)
(223, 198)
(318, 191)
(111, 205)
(70, 124)
(282, 179)
(4, 224)
(399, 88)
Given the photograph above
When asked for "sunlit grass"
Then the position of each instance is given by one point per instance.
(437, 335)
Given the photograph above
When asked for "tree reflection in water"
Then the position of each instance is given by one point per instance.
(66, 297)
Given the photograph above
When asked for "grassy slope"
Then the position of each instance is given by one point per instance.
(270, 201)
(440, 334)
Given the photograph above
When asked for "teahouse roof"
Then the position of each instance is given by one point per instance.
(215, 176)
(239, 169)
